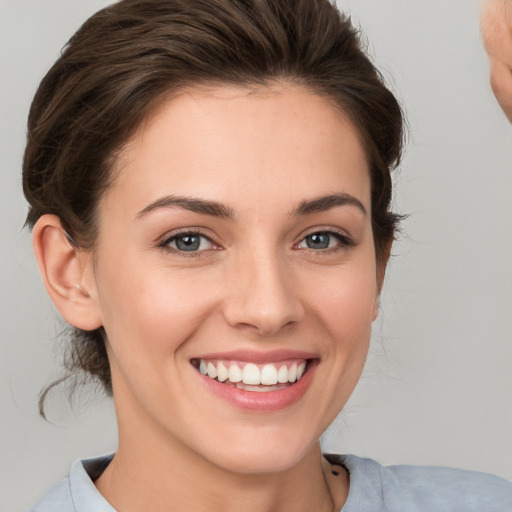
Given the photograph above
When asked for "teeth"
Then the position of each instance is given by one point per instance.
(251, 375)
(292, 373)
(234, 374)
(222, 372)
(300, 370)
(212, 371)
(282, 375)
(260, 389)
(268, 375)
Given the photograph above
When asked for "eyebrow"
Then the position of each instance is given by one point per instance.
(321, 204)
(201, 206)
(215, 209)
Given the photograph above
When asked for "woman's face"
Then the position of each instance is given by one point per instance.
(236, 241)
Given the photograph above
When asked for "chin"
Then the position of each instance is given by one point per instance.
(264, 445)
(260, 458)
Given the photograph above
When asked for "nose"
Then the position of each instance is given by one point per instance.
(263, 296)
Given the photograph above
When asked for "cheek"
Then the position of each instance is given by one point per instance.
(347, 311)
(347, 305)
(150, 311)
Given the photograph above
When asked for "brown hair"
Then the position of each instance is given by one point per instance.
(129, 56)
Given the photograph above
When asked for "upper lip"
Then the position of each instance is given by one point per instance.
(259, 357)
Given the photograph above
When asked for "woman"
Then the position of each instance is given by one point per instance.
(209, 188)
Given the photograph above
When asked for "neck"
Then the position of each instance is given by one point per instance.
(148, 473)
(160, 480)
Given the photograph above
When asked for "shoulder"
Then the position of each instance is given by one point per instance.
(422, 489)
(58, 499)
(77, 492)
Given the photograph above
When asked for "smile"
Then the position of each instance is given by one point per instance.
(253, 377)
(260, 382)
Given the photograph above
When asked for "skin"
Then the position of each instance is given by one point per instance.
(255, 286)
(496, 22)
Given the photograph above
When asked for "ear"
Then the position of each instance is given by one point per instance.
(67, 274)
(382, 264)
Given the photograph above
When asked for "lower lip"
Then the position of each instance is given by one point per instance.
(268, 401)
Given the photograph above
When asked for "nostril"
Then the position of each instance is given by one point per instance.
(266, 320)
(268, 328)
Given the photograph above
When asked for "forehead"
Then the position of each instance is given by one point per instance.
(225, 140)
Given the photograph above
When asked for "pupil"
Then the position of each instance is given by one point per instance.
(318, 241)
(188, 243)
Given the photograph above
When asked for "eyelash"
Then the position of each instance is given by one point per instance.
(344, 242)
(165, 244)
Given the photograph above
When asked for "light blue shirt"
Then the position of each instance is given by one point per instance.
(373, 488)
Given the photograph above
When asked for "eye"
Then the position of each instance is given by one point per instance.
(188, 242)
(322, 240)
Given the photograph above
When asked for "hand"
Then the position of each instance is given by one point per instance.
(496, 22)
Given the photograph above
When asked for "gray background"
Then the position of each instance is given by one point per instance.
(438, 385)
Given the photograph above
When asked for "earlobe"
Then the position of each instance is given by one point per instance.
(67, 274)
